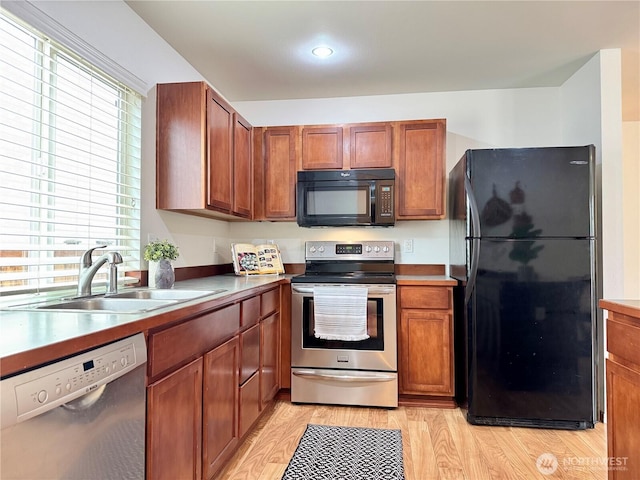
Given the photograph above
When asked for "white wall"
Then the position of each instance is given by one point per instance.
(592, 113)
(631, 208)
(500, 118)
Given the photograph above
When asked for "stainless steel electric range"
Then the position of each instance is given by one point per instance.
(343, 333)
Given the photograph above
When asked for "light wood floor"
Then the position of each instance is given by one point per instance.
(437, 444)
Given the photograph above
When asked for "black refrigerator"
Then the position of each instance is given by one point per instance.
(524, 248)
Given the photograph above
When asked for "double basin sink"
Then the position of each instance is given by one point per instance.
(131, 301)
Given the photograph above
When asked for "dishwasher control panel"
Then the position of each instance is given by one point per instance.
(39, 390)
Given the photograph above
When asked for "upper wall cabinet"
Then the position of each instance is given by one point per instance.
(346, 146)
(203, 153)
(276, 150)
(419, 160)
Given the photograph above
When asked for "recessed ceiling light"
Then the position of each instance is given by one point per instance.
(322, 52)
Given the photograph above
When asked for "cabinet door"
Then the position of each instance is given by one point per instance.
(220, 141)
(249, 353)
(181, 145)
(220, 406)
(269, 357)
(242, 171)
(426, 365)
(249, 404)
(370, 146)
(280, 173)
(420, 171)
(174, 424)
(623, 419)
(321, 148)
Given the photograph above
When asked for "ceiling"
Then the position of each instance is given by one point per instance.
(260, 50)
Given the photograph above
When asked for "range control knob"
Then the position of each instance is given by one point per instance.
(321, 249)
(385, 249)
(42, 396)
(377, 249)
(312, 249)
(368, 249)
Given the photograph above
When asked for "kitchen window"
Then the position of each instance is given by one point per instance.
(69, 162)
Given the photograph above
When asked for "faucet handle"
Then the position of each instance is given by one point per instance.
(114, 258)
(86, 261)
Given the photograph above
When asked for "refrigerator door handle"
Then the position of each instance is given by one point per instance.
(473, 269)
(474, 213)
(473, 207)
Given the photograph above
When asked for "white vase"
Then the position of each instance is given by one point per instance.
(165, 276)
(161, 274)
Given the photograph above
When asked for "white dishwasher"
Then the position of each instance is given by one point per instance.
(81, 417)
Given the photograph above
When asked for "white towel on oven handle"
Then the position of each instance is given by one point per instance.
(340, 313)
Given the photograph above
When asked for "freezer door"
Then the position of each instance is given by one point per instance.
(524, 192)
(530, 334)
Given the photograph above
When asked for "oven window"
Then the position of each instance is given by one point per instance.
(338, 201)
(374, 329)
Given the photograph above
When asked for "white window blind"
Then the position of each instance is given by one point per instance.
(69, 163)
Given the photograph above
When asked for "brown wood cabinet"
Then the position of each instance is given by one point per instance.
(322, 147)
(203, 153)
(419, 161)
(426, 340)
(415, 149)
(220, 406)
(174, 425)
(242, 168)
(205, 385)
(623, 389)
(269, 358)
(366, 145)
(276, 150)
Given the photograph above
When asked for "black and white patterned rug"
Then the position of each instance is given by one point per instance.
(347, 453)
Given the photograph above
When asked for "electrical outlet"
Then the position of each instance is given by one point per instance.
(408, 245)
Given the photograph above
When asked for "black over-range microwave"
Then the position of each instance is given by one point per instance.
(334, 198)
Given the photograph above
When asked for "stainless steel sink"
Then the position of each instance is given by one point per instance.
(120, 305)
(131, 301)
(166, 294)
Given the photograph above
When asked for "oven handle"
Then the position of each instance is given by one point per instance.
(363, 377)
(371, 290)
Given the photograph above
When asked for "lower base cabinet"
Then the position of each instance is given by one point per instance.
(425, 342)
(201, 400)
(249, 403)
(269, 358)
(174, 425)
(220, 405)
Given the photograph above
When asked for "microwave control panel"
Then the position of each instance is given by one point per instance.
(384, 204)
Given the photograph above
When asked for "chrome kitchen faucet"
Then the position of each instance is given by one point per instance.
(88, 270)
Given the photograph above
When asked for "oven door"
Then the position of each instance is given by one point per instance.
(377, 353)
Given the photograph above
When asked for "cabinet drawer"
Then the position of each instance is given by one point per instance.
(623, 340)
(249, 353)
(176, 345)
(250, 311)
(270, 302)
(249, 403)
(425, 297)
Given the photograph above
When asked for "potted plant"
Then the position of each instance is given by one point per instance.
(159, 254)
